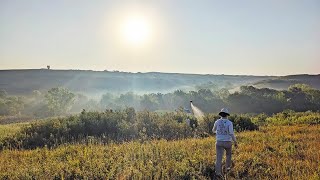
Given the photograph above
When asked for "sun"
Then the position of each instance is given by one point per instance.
(136, 31)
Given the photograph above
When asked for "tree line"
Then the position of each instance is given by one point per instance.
(61, 101)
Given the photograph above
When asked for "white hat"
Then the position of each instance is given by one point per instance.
(224, 110)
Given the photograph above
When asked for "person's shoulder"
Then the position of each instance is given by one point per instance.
(230, 122)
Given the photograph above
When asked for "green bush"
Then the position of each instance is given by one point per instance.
(242, 123)
(118, 126)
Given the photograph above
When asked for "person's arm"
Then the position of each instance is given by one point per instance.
(214, 129)
(231, 133)
(234, 139)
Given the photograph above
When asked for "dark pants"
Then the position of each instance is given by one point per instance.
(220, 147)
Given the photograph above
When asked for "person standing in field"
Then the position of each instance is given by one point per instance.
(223, 128)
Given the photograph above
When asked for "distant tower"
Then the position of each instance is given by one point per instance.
(48, 67)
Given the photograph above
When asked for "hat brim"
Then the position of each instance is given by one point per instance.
(221, 113)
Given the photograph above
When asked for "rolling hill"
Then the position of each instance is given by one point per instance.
(284, 82)
(17, 82)
(22, 82)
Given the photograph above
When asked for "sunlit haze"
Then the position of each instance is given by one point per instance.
(136, 30)
(205, 37)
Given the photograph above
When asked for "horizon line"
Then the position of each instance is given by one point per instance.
(162, 72)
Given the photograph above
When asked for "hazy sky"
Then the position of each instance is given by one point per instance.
(271, 37)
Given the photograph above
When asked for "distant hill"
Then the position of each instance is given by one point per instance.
(22, 82)
(284, 82)
(17, 82)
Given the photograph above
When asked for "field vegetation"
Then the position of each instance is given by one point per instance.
(147, 145)
(127, 125)
(273, 152)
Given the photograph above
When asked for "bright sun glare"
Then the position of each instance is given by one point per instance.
(136, 30)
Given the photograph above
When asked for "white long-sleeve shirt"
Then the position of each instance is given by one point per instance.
(224, 130)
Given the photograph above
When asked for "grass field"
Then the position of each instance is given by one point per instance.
(279, 152)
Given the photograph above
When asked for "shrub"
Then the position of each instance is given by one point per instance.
(289, 117)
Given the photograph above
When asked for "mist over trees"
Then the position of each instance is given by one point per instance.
(10, 105)
(61, 101)
(248, 99)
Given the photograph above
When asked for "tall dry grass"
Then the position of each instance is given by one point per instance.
(279, 152)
